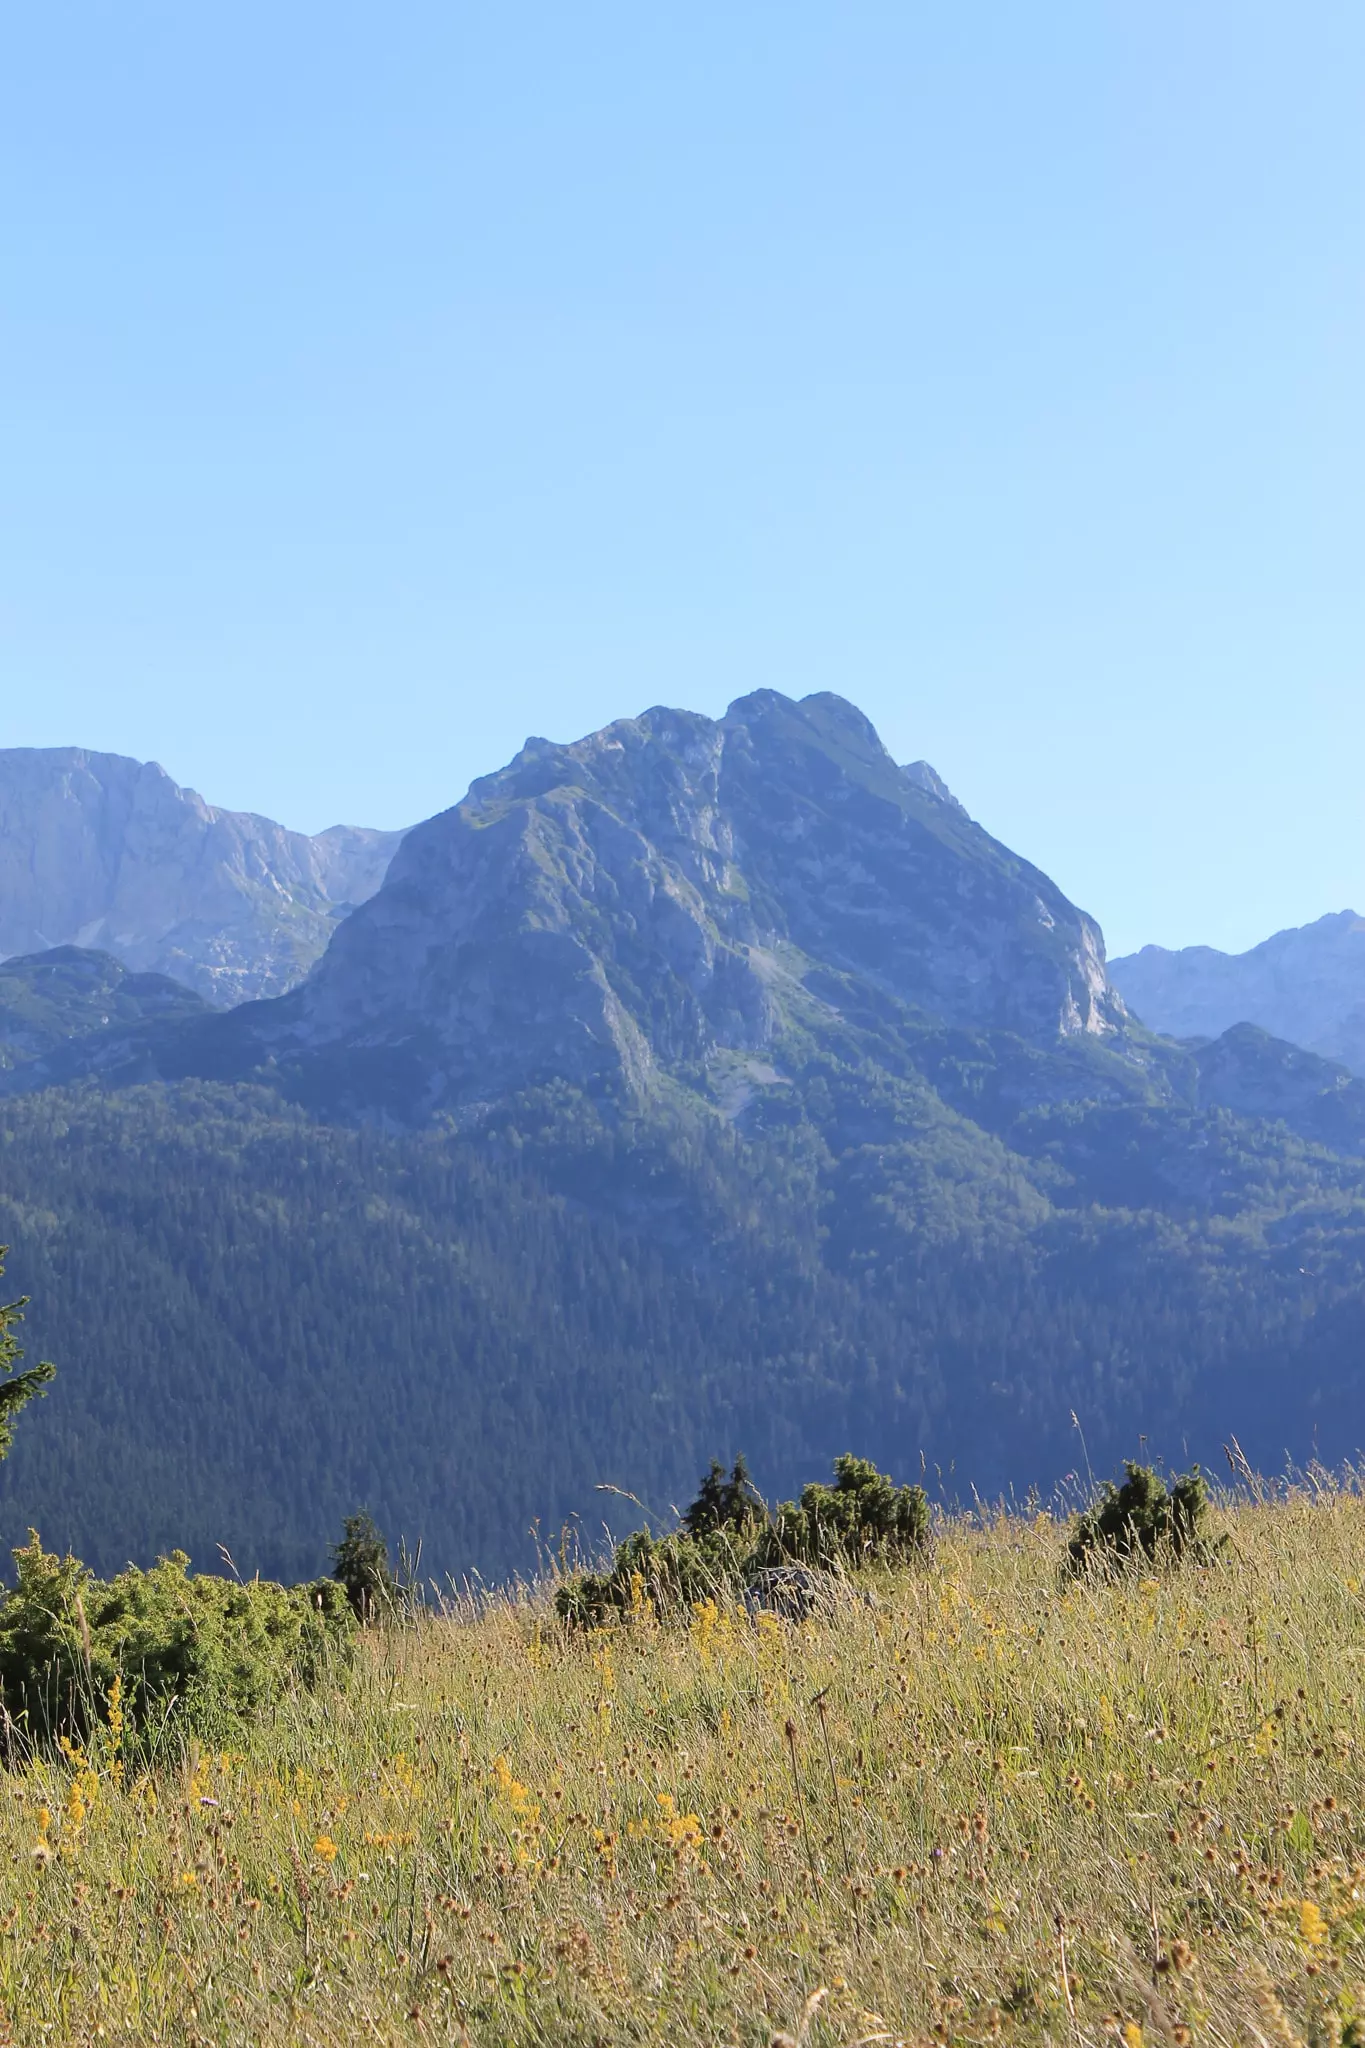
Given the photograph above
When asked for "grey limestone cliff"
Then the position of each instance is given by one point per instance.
(1306, 985)
(675, 891)
(100, 851)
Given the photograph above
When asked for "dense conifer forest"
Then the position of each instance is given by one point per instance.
(262, 1322)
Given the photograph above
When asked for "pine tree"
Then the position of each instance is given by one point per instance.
(734, 1503)
(16, 1388)
(360, 1562)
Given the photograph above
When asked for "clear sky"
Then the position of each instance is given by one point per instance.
(384, 384)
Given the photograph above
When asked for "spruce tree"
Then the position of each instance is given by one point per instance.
(16, 1388)
(733, 1504)
(360, 1562)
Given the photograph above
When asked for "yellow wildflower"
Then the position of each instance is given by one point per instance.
(517, 1795)
(682, 1831)
(705, 1620)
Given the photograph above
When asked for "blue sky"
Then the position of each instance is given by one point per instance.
(384, 385)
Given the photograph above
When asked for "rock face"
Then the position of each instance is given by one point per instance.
(674, 892)
(98, 851)
(1306, 985)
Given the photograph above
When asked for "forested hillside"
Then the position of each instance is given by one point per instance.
(261, 1321)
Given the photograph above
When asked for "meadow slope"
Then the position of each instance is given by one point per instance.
(985, 1804)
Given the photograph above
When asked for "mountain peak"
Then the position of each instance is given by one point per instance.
(823, 722)
(646, 906)
(675, 892)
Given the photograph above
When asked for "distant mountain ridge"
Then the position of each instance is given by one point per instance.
(674, 900)
(1306, 985)
(100, 851)
(682, 907)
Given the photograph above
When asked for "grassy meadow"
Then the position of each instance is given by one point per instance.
(984, 1804)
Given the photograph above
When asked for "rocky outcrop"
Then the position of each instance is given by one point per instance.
(929, 778)
(102, 852)
(1306, 985)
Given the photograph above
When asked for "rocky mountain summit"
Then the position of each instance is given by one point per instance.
(677, 899)
(1306, 985)
(684, 907)
(98, 851)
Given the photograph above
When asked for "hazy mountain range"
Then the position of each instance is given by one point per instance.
(100, 851)
(703, 1085)
(105, 853)
(673, 903)
(1307, 985)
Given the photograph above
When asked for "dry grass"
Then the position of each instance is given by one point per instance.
(1129, 1811)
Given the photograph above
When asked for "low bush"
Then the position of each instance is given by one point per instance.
(178, 1651)
(863, 1517)
(728, 1537)
(667, 1573)
(710, 1553)
(1144, 1520)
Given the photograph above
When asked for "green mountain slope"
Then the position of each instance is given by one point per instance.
(67, 998)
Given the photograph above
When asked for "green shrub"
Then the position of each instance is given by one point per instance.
(864, 1516)
(1143, 1520)
(191, 1653)
(727, 1535)
(669, 1572)
(709, 1554)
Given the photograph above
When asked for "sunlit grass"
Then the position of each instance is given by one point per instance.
(1020, 1810)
